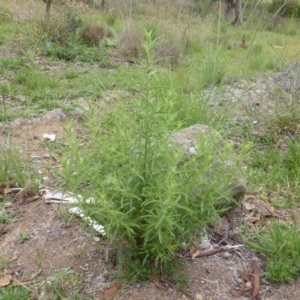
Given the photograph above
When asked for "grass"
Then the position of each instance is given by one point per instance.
(14, 292)
(124, 155)
(280, 243)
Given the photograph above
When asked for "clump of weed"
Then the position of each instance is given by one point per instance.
(111, 17)
(286, 118)
(92, 34)
(212, 68)
(285, 8)
(280, 242)
(167, 53)
(142, 195)
(6, 217)
(55, 29)
(14, 292)
(5, 15)
(23, 237)
(15, 170)
(66, 284)
(131, 44)
(58, 28)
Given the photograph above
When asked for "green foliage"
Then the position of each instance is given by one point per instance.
(14, 292)
(65, 284)
(202, 7)
(33, 79)
(12, 63)
(15, 170)
(287, 8)
(74, 51)
(146, 191)
(213, 67)
(24, 237)
(133, 268)
(4, 263)
(5, 15)
(5, 217)
(287, 112)
(280, 242)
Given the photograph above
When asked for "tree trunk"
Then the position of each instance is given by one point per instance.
(48, 9)
(235, 5)
(238, 20)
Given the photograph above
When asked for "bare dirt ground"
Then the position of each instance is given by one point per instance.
(59, 240)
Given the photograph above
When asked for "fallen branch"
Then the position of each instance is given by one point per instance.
(206, 253)
(180, 290)
(256, 279)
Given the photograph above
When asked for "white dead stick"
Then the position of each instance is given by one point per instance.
(54, 196)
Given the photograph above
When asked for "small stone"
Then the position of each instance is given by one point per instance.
(226, 255)
(199, 297)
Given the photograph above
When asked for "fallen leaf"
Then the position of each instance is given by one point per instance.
(7, 205)
(5, 280)
(21, 198)
(273, 212)
(7, 190)
(240, 292)
(32, 199)
(196, 254)
(230, 220)
(254, 219)
(199, 297)
(250, 197)
(256, 277)
(249, 205)
(192, 251)
(237, 238)
(109, 292)
(155, 279)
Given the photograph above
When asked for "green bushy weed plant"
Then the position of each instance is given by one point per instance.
(65, 284)
(213, 67)
(74, 50)
(16, 170)
(14, 292)
(23, 237)
(280, 242)
(290, 8)
(5, 217)
(148, 195)
(5, 15)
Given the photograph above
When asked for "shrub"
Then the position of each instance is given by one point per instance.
(166, 53)
(212, 67)
(5, 15)
(142, 195)
(285, 8)
(130, 44)
(92, 34)
(280, 242)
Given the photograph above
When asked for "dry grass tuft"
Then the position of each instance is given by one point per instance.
(130, 44)
(93, 34)
(167, 54)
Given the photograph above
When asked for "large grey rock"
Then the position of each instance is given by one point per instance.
(190, 137)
